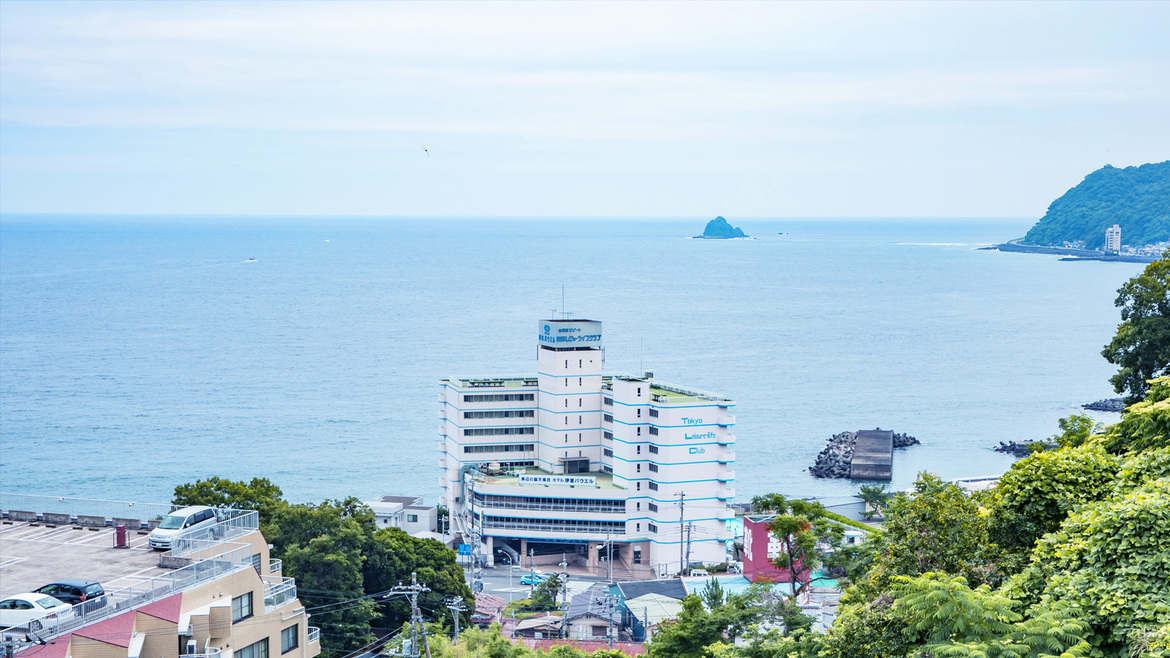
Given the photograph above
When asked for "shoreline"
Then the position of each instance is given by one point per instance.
(1077, 254)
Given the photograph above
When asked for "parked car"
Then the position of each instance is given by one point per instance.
(532, 579)
(180, 521)
(30, 610)
(76, 590)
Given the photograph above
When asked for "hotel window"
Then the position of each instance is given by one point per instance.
(607, 469)
(566, 418)
(637, 507)
(653, 486)
(566, 378)
(654, 467)
(639, 391)
(607, 401)
(637, 527)
(566, 402)
(242, 607)
(607, 418)
(608, 435)
(653, 413)
(638, 450)
(579, 422)
(579, 362)
(654, 430)
(580, 403)
(637, 486)
(637, 555)
(412, 518)
(639, 431)
(653, 507)
(651, 527)
(578, 437)
(607, 452)
(254, 650)
(578, 381)
(288, 639)
(566, 363)
(496, 431)
(654, 449)
(637, 468)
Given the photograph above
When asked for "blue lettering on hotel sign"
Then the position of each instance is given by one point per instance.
(558, 480)
(698, 451)
(704, 435)
(692, 421)
(570, 334)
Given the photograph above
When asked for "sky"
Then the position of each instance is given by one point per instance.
(598, 109)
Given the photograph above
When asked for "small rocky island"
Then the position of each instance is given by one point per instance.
(719, 229)
(872, 462)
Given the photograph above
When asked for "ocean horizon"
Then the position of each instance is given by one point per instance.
(142, 352)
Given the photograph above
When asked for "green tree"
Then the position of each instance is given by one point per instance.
(806, 533)
(391, 556)
(260, 494)
(696, 628)
(1141, 346)
(1145, 425)
(875, 496)
(1039, 491)
(1110, 558)
(328, 570)
(937, 528)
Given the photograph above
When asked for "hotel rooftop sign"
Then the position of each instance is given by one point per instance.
(569, 333)
(558, 480)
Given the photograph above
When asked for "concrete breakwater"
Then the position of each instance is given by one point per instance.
(837, 460)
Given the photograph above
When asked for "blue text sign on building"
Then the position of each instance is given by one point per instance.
(559, 480)
(569, 333)
(465, 549)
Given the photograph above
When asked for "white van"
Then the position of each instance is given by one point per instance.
(181, 521)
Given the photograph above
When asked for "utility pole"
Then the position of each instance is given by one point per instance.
(682, 502)
(456, 607)
(411, 592)
(690, 526)
(609, 556)
(531, 572)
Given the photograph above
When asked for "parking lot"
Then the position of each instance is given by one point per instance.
(32, 555)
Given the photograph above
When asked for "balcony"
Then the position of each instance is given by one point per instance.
(442, 462)
(314, 634)
(275, 566)
(725, 420)
(725, 440)
(726, 513)
(278, 591)
(725, 493)
(726, 475)
(726, 458)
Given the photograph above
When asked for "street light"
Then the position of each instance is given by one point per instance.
(511, 569)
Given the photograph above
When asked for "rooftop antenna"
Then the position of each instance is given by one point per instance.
(563, 316)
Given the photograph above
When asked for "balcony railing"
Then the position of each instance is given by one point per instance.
(275, 567)
(314, 634)
(208, 652)
(278, 591)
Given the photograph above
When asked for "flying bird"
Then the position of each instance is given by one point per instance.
(426, 151)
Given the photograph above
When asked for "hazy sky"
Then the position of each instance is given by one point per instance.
(586, 109)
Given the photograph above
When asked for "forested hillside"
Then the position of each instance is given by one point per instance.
(1137, 198)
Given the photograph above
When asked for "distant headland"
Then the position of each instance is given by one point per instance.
(719, 229)
(1113, 214)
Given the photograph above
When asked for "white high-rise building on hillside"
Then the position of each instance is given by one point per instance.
(1113, 239)
(563, 461)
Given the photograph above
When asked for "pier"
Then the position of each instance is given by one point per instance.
(873, 455)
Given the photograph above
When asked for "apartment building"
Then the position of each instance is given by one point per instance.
(216, 593)
(1113, 239)
(572, 461)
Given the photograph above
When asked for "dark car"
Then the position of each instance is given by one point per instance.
(76, 590)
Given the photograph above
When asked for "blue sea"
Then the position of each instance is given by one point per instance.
(138, 353)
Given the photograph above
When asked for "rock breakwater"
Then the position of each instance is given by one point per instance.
(836, 460)
(1112, 404)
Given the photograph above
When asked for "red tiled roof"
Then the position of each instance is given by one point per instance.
(167, 609)
(628, 648)
(57, 648)
(115, 630)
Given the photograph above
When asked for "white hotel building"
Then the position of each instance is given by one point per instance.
(565, 460)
